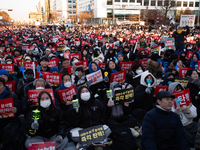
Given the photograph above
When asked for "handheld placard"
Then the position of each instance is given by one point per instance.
(75, 104)
(109, 94)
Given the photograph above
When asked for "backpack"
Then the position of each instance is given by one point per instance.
(123, 139)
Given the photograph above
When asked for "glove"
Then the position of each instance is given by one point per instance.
(59, 139)
(148, 90)
(178, 111)
(110, 103)
(29, 104)
(35, 125)
(187, 111)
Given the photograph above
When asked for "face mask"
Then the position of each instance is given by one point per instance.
(171, 79)
(76, 61)
(45, 104)
(179, 31)
(169, 82)
(67, 84)
(39, 88)
(139, 71)
(29, 76)
(149, 81)
(9, 62)
(85, 96)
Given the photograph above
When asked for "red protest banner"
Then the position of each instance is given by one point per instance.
(11, 85)
(77, 43)
(70, 70)
(24, 47)
(15, 59)
(143, 62)
(95, 77)
(5, 105)
(189, 54)
(92, 35)
(83, 42)
(42, 72)
(49, 145)
(53, 49)
(9, 67)
(185, 98)
(132, 41)
(160, 88)
(99, 37)
(29, 65)
(118, 76)
(15, 36)
(110, 44)
(45, 44)
(84, 63)
(53, 78)
(17, 42)
(6, 42)
(33, 95)
(126, 65)
(102, 65)
(75, 55)
(9, 53)
(183, 71)
(59, 43)
(53, 62)
(67, 94)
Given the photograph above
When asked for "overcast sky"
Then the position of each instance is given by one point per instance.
(21, 8)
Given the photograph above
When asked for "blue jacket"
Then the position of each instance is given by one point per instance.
(161, 130)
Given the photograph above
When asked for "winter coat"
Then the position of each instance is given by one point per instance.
(154, 67)
(159, 122)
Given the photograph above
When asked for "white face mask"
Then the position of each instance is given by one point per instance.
(40, 88)
(85, 96)
(67, 84)
(76, 61)
(45, 104)
(9, 62)
(139, 71)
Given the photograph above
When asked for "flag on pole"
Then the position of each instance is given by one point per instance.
(88, 9)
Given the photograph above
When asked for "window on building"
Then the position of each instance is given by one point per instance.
(69, 6)
(74, 12)
(146, 2)
(132, 1)
(117, 0)
(124, 0)
(74, 6)
(109, 2)
(179, 4)
(159, 3)
(191, 4)
(69, 1)
(153, 3)
(185, 4)
(196, 4)
(74, 1)
(139, 1)
(173, 3)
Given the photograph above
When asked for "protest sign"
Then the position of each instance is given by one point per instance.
(9, 53)
(143, 62)
(91, 135)
(109, 44)
(70, 69)
(99, 37)
(189, 55)
(95, 77)
(102, 65)
(132, 41)
(38, 74)
(15, 59)
(155, 49)
(49, 145)
(60, 48)
(66, 95)
(53, 62)
(53, 49)
(184, 97)
(84, 63)
(126, 65)
(33, 95)
(11, 85)
(187, 20)
(53, 78)
(124, 95)
(9, 67)
(24, 47)
(118, 77)
(5, 105)
(169, 43)
(160, 88)
(74, 55)
(59, 43)
(183, 71)
(29, 65)
(184, 82)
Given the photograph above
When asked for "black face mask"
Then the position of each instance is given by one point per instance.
(29, 78)
(170, 79)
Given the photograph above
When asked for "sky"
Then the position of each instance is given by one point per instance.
(21, 8)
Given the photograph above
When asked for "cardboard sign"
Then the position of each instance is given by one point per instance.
(91, 135)
(187, 20)
(67, 94)
(169, 43)
(9, 67)
(24, 47)
(183, 71)
(9, 53)
(5, 105)
(185, 98)
(49, 145)
(11, 85)
(189, 55)
(84, 63)
(99, 37)
(42, 72)
(75, 55)
(95, 77)
(124, 95)
(109, 44)
(61, 48)
(53, 78)
(156, 49)
(143, 62)
(132, 41)
(53, 49)
(66, 55)
(160, 88)
(17, 42)
(126, 65)
(92, 35)
(33, 95)
(29, 65)
(184, 82)
(53, 62)
(59, 43)
(118, 77)
(70, 70)
(102, 65)
(15, 59)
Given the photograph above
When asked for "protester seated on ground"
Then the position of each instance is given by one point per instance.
(120, 58)
(192, 63)
(153, 66)
(110, 54)
(142, 54)
(51, 125)
(97, 54)
(112, 67)
(65, 63)
(183, 57)
(78, 76)
(85, 56)
(175, 66)
(126, 53)
(186, 115)
(169, 78)
(74, 60)
(143, 96)
(47, 52)
(44, 61)
(5, 75)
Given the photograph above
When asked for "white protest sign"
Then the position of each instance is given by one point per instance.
(187, 20)
(95, 77)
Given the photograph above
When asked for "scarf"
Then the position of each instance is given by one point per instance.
(62, 87)
(3, 94)
(114, 71)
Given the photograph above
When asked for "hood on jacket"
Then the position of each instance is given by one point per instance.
(173, 86)
(144, 75)
(166, 76)
(78, 95)
(112, 86)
